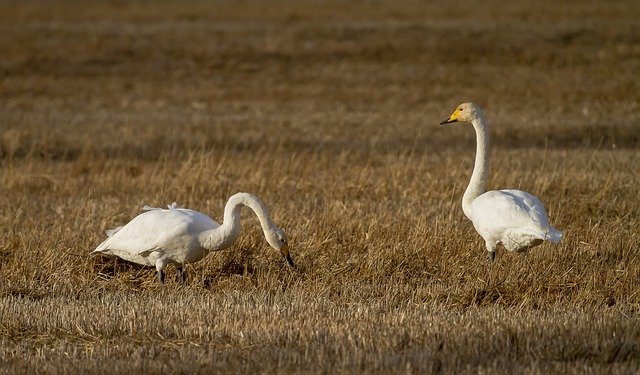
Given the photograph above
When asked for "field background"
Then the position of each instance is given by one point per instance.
(329, 111)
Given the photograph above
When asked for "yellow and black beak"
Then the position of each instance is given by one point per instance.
(285, 252)
(452, 118)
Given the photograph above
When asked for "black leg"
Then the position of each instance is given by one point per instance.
(492, 256)
(161, 276)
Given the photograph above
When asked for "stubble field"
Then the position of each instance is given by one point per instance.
(329, 112)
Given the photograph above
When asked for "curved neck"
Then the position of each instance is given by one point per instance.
(228, 232)
(480, 166)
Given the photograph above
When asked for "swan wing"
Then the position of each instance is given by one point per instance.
(532, 205)
(497, 211)
(538, 215)
(156, 230)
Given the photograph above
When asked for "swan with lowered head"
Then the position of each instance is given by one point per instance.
(159, 237)
(513, 218)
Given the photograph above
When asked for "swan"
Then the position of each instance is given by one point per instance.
(159, 237)
(513, 218)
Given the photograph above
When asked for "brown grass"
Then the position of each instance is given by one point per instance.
(328, 111)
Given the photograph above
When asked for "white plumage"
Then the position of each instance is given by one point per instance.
(159, 237)
(513, 218)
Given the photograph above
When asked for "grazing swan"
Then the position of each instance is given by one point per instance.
(513, 218)
(159, 237)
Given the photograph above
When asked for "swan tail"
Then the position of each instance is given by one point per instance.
(111, 232)
(521, 239)
(550, 234)
(103, 247)
(553, 235)
(171, 206)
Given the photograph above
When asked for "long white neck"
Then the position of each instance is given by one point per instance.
(481, 165)
(225, 235)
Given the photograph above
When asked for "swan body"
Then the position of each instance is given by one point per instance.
(159, 237)
(515, 219)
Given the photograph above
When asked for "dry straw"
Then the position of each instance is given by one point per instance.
(329, 113)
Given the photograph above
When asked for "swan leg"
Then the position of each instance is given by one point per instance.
(491, 248)
(160, 265)
(182, 274)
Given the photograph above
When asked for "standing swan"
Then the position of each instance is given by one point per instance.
(178, 236)
(513, 218)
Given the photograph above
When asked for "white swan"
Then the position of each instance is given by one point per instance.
(513, 218)
(159, 237)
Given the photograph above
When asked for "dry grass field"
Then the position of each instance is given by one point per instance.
(329, 111)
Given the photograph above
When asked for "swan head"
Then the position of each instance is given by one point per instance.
(465, 112)
(278, 240)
